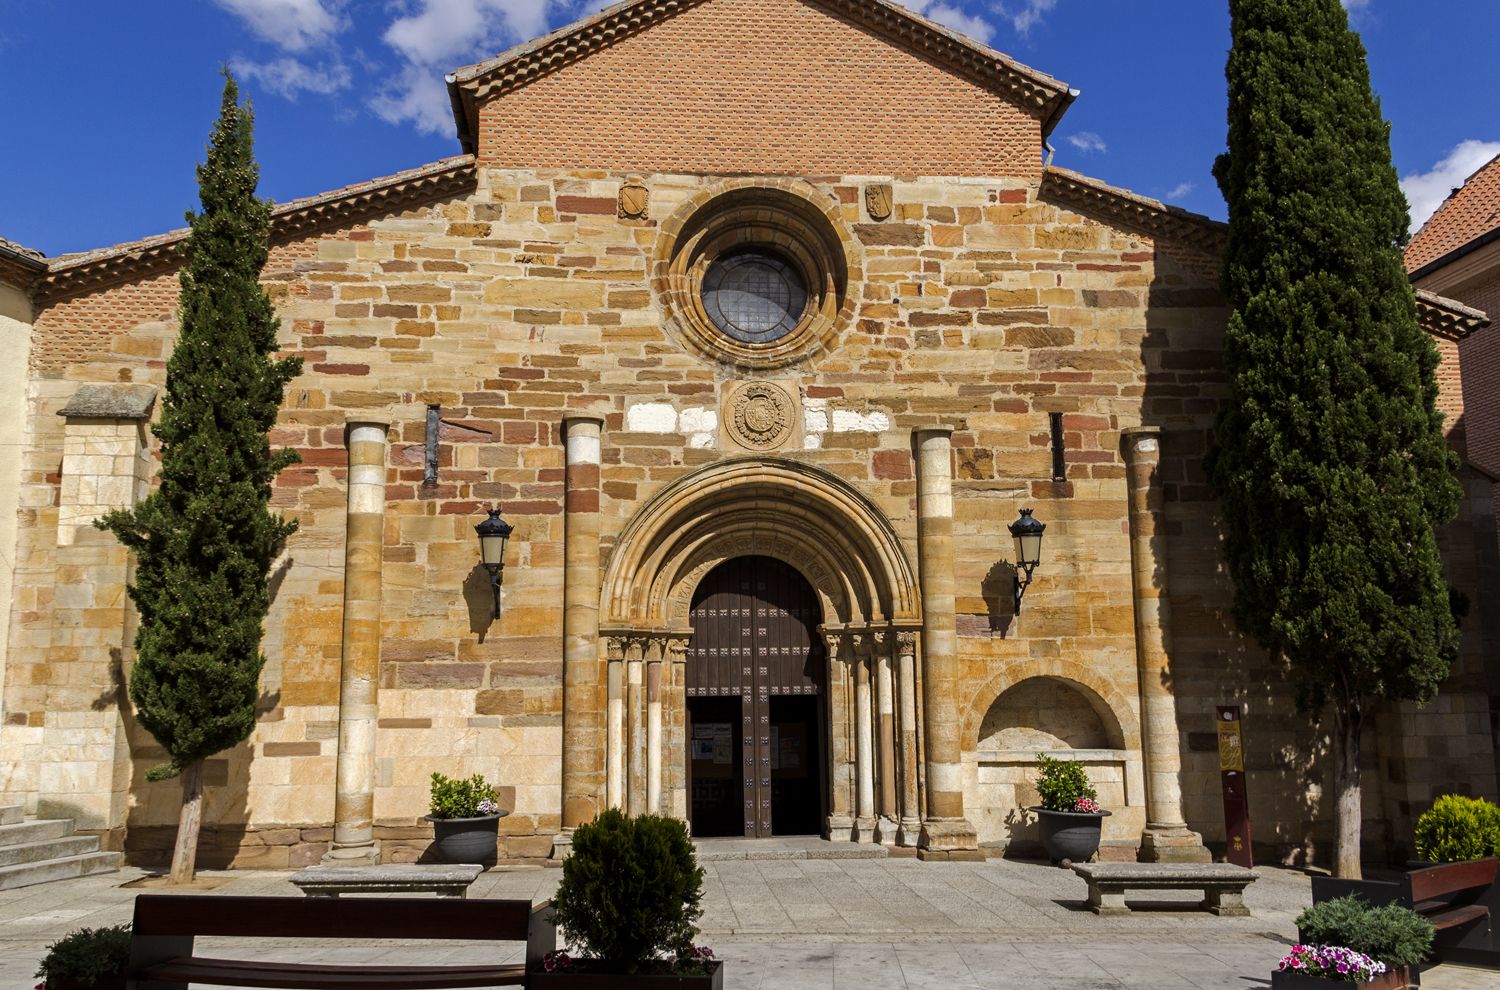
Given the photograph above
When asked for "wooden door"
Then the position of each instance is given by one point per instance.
(755, 680)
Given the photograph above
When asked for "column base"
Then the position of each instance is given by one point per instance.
(864, 830)
(562, 844)
(949, 839)
(840, 828)
(885, 831)
(364, 854)
(908, 832)
(1172, 844)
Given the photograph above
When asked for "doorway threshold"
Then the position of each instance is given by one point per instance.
(786, 847)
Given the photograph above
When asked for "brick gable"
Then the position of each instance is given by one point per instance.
(768, 86)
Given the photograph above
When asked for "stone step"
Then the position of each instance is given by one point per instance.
(36, 852)
(26, 874)
(791, 847)
(36, 830)
(12, 814)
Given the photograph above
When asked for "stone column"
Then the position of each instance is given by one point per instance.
(615, 796)
(841, 801)
(635, 731)
(359, 665)
(653, 727)
(911, 812)
(1166, 837)
(885, 711)
(583, 715)
(864, 745)
(946, 834)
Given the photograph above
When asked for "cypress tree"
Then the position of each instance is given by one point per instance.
(1330, 457)
(205, 538)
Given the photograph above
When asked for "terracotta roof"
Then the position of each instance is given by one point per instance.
(20, 266)
(70, 273)
(1469, 214)
(1131, 210)
(473, 84)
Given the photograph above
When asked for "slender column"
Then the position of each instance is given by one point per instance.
(945, 834)
(1166, 837)
(653, 728)
(864, 744)
(635, 731)
(615, 647)
(906, 661)
(359, 669)
(840, 799)
(885, 708)
(583, 761)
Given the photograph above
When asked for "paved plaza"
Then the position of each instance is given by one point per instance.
(829, 925)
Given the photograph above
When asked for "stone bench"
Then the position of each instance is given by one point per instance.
(1223, 884)
(443, 879)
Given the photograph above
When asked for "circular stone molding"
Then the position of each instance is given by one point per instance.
(782, 222)
(761, 417)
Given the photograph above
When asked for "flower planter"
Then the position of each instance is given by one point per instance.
(465, 840)
(1395, 979)
(116, 982)
(580, 978)
(1070, 836)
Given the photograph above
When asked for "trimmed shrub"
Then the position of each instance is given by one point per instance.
(1061, 783)
(87, 956)
(462, 798)
(1395, 935)
(630, 890)
(1457, 828)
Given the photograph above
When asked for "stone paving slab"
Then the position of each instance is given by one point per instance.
(894, 924)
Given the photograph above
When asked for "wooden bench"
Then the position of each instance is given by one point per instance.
(445, 880)
(162, 956)
(1455, 897)
(1223, 885)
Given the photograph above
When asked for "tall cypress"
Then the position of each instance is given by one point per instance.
(1330, 457)
(204, 540)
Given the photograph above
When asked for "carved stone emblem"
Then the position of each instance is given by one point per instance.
(761, 417)
(878, 201)
(634, 198)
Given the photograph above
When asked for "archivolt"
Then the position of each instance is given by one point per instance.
(803, 515)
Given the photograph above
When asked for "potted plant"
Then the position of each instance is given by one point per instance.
(87, 959)
(1310, 967)
(465, 816)
(1457, 828)
(627, 902)
(1070, 818)
(1393, 936)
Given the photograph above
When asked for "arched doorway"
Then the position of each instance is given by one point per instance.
(755, 681)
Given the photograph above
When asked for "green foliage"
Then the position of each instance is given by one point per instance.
(462, 798)
(1457, 828)
(1395, 935)
(204, 540)
(1330, 458)
(88, 955)
(1061, 783)
(631, 889)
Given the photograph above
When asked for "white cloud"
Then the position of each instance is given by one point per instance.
(1353, 6)
(1426, 191)
(953, 17)
(1088, 142)
(294, 25)
(1181, 189)
(287, 77)
(1025, 14)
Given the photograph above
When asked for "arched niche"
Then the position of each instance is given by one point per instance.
(1048, 714)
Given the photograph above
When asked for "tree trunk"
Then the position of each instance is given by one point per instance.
(185, 851)
(1348, 813)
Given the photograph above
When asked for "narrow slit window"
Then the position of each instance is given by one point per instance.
(1059, 449)
(429, 461)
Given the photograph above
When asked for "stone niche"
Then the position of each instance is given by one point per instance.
(1049, 716)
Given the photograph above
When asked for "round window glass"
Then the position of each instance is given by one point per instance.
(754, 296)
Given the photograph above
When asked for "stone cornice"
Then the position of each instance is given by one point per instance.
(1448, 318)
(1132, 211)
(472, 85)
(69, 275)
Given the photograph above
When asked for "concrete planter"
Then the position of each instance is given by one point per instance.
(580, 978)
(1069, 836)
(465, 840)
(1394, 979)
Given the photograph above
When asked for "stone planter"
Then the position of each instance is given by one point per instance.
(580, 978)
(1069, 836)
(465, 840)
(1395, 979)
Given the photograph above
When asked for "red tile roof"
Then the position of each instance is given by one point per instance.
(1471, 212)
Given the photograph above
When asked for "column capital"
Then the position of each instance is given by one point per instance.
(1141, 443)
(364, 417)
(583, 419)
(929, 432)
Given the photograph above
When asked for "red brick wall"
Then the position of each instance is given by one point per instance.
(1481, 365)
(717, 89)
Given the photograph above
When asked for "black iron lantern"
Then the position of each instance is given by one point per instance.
(1028, 536)
(493, 534)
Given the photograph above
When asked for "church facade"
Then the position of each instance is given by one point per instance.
(759, 321)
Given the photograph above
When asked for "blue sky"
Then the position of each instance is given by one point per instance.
(105, 107)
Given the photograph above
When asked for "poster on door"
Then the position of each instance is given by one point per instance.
(713, 743)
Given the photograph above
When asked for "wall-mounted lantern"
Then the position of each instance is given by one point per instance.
(1028, 536)
(493, 534)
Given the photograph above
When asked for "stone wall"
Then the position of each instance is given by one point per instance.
(15, 348)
